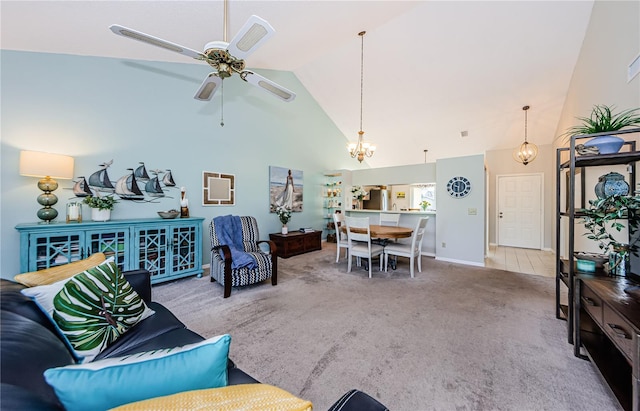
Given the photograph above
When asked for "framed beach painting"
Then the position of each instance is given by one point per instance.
(285, 188)
(218, 189)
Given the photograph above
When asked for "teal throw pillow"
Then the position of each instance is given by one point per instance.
(108, 383)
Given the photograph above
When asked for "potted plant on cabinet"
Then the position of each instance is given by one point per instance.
(604, 120)
(284, 214)
(607, 213)
(101, 206)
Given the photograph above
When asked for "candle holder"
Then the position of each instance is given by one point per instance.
(74, 212)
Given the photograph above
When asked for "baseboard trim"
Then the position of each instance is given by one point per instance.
(541, 249)
(453, 260)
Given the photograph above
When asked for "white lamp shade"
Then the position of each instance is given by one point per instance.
(39, 164)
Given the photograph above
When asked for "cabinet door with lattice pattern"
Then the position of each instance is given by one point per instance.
(185, 255)
(46, 250)
(113, 243)
(152, 249)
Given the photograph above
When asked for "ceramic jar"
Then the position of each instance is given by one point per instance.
(611, 184)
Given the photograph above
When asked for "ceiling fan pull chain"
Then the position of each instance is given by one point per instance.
(222, 103)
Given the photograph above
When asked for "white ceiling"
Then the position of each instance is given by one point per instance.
(431, 68)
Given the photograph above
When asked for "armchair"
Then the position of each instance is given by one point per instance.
(222, 269)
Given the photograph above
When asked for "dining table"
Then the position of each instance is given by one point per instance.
(383, 231)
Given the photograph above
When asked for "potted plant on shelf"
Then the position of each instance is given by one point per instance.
(424, 204)
(284, 214)
(607, 213)
(604, 120)
(101, 206)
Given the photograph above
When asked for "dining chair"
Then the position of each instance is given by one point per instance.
(413, 251)
(360, 244)
(389, 219)
(341, 240)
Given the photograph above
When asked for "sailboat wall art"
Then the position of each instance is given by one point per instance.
(135, 185)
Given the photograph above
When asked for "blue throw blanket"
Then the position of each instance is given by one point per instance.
(229, 232)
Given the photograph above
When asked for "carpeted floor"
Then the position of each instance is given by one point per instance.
(455, 337)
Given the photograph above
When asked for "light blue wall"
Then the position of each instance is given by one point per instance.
(101, 109)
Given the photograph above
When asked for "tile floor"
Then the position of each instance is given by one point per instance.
(522, 260)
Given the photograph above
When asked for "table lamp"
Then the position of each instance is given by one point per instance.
(49, 166)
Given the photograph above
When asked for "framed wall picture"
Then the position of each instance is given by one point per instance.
(218, 189)
(285, 188)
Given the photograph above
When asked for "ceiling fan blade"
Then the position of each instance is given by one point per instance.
(268, 85)
(208, 87)
(254, 32)
(155, 41)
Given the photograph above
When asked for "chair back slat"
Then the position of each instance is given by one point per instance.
(390, 219)
(358, 222)
(418, 234)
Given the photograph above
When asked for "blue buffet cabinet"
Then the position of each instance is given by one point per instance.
(168, 248)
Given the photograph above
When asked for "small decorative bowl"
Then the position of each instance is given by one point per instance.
(169, 214)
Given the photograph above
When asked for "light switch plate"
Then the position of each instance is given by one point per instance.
(473, 211)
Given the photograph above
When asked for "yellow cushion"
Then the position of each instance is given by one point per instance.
(60, 272)
(245, 397)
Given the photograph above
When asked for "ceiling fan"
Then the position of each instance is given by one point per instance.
(225, 58)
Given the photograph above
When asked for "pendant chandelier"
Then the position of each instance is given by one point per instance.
(526, 152)
(362, 148)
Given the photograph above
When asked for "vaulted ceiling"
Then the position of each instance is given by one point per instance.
(432, 69)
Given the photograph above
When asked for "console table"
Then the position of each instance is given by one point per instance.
(607, 327)
(296, 243)
(169, 249)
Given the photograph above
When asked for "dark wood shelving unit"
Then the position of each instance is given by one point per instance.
(603, 321)
(576, 166)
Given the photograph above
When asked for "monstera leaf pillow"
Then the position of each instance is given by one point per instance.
(93, 308)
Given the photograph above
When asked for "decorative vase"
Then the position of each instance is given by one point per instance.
(100, 215)
(611, 184)
(285, 230)
(606, 144)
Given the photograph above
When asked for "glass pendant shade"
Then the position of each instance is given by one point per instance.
(526, 153)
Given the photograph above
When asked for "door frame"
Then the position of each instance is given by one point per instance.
(540, 175)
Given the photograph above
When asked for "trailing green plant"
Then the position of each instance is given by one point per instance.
(603, 120)
(607, 213)
(100, 202)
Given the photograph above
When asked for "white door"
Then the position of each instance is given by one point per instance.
(520, 211)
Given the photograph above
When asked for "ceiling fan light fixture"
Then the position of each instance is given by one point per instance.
(526, 152)
(226, 58)
(362, 148)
